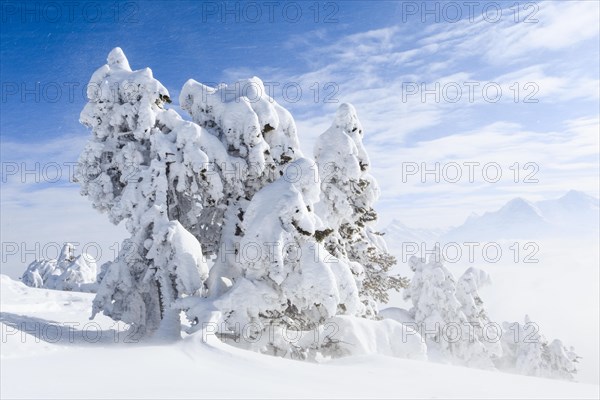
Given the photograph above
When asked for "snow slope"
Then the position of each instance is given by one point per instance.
(46, 363)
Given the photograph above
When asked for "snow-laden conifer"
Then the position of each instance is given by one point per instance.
(257, 140)
(526, 351)
(439, 317)
(143, 166)
(348, 193)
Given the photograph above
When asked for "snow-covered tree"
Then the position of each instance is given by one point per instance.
(440, 302)
(528, 352)
(288, 280)
(252, 126)
(39, 272)
(68, 272)
(439, 316)
(467, 293)
(257, 139)
(293, 245)
(143, 165)
(346, 208)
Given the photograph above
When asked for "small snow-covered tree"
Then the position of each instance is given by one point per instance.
(467, 293)
(143, 165)
(288, 280)
(439, 317)
(257, 140)
(346, 208)
(37, 272)
(439, 302)
(68, 272)
(528, 352)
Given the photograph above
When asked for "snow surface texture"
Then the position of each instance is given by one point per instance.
(32, 349)
(68, 272)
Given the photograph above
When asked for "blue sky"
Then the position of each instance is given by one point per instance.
(372, 54)
(177, 40)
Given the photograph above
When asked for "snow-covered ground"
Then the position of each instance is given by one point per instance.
(59, 359)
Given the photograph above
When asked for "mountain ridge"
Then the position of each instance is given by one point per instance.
(575, 213)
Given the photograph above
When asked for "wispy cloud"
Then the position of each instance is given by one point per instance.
(553, 62)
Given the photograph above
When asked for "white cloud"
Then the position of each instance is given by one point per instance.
(560, 25)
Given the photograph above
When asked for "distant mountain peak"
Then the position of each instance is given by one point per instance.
(519, 207)
(518, 202)
(574, 192)
(573, 196)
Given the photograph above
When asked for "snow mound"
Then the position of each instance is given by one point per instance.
(397, 314)
(352, 336)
